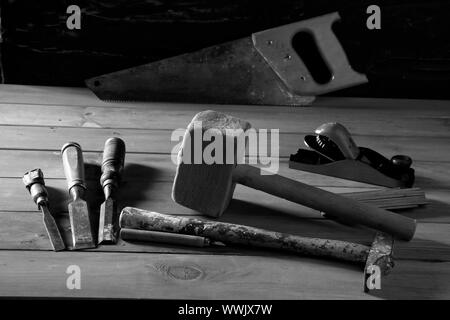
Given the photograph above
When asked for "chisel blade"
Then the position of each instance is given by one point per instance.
(52, 230)
(108, 216)
(80, 223)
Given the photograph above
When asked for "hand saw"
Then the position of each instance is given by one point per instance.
(262, 69)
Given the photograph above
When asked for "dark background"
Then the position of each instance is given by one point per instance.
(409, 57)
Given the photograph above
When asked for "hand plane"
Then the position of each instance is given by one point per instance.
(263, 69)
(333, 152)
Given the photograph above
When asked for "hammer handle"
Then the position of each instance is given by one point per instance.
(342, 207)
(113, 162)
(73, 164)
(134, 218)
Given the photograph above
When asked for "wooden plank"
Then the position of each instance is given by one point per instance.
(71, 96)
(156, 196)
(428, 174)
(158, 276)
(431, 242)
(146, 194)
(11, 93)
(416, 280)
(365, 120)
(25, 231)
(159, 141)
(191, 276)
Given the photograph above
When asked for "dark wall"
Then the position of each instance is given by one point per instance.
(408, 57)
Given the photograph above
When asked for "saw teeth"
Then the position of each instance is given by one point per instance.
(121, 99)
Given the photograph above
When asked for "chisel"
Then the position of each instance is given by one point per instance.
(167, 238)
(34, 181)
(78, 209)
(112, 167)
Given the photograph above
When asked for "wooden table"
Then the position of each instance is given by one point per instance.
(36, 121)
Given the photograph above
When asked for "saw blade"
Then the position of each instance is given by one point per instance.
(230, 73)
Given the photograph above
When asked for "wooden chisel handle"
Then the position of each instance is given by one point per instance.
(113, 162)
(34, 182)
(73, 163)
(134, 218)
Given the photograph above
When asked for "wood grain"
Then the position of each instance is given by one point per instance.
(426, 119)
(139, 166)
(157, 196)
(74, 96)
(25, 231)
(159, 141)
(161, 116)
(118, 275)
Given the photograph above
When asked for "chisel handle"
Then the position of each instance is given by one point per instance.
(34, 182)
(113, 162)
(73, 163)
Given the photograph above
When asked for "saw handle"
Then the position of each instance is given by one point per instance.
(333, 204)
(73, 163)
(34, 182)
(113, 162)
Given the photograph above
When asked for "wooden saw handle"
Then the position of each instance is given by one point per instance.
(73, 163)
(333, 204)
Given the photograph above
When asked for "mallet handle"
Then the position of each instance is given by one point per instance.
(342, 207)
(134, 218)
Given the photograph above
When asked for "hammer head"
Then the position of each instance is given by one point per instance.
(379, 260)
(213, 144)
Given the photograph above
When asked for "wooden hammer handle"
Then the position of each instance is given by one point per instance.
(134, 218)
(342, 207)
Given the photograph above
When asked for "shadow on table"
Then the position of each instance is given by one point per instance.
(132, 193)
(411, 279)
(255, 215)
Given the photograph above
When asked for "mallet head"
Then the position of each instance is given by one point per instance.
(212, 146)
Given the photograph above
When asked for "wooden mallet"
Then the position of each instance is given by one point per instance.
(208, 188)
